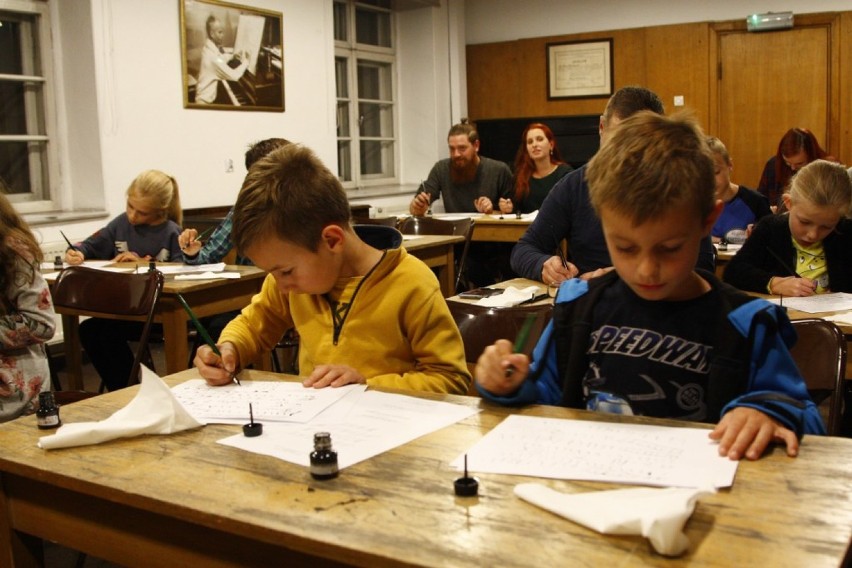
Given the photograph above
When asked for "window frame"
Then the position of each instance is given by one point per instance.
(48, 198)
(354, 53)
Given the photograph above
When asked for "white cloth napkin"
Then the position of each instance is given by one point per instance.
(511, 296)
(154, 410)
(658, 514)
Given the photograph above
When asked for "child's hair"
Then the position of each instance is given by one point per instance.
(464, 127)
(16, 240)
(161, 190)
(261, 148)
(650, 164)
(292, 195)
(717, 147)
(825, 184)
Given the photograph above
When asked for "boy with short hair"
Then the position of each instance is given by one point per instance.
(657, 337)
(363, 314)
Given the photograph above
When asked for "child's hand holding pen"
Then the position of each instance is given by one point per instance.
(218, 369)
(74, 257)
(792, 286)
(502, 367)
(190, 241)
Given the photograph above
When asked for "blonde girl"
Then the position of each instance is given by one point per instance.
(26, 317)
(808, 249)
(147, 230)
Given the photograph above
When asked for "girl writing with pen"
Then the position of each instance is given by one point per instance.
(148, 230)
(808, 249)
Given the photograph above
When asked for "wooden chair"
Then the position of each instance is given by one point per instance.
(820, 355)
(112, 295)
(481, 326)
(432, 226)
(384, 221)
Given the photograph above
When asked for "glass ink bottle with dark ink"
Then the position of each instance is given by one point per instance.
(47, 415)
(57, 262)
(323, 458)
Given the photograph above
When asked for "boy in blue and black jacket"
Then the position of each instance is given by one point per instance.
(656, 337)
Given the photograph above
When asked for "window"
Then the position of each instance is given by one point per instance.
(27, 159)
(365, 61)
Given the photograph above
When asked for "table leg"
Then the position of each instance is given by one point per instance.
(16, 548)
(73, 351)
(175, 338)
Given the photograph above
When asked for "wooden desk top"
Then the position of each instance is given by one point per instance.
(418, 242)
(517, 283)
(397, 508)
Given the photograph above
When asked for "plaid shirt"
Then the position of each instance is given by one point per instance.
(217, 245)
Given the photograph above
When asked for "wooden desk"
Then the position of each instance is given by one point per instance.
(207, 297)
(723, 257)
(437, 251)
(184, 500)
(492, 228)
(517, 283)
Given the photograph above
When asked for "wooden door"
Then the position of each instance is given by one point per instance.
(768, 83)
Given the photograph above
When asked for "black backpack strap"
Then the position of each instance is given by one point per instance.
(572, 327)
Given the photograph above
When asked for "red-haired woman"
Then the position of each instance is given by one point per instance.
(538, 166)
(798, 148)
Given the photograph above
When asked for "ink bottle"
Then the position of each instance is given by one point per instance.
(47, 415)
(57, 262)
(323, 458)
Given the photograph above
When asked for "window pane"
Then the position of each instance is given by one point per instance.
(23, 168)
(372, 28)
(341, 77)
(376, 119)
(13, 116)
(343, 119)
(376, 158)
(374, 80)
(344, 160)
(340, 22)
(10, 45)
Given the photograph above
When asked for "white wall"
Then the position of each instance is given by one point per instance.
(122, 100)
(489, 21)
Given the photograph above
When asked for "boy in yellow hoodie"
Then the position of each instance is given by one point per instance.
(365, 310)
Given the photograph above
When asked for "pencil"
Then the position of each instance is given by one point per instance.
(204, 234)
(203, 332)
(521, 339)
(67, 240)
(783, 264)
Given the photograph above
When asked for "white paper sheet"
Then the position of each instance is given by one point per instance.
(270, 401)
(511, 296)
(815, 304)
(601, 451)
(209, 276)
(191, 268)
(361, 426)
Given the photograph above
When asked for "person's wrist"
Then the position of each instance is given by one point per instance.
(769, 285)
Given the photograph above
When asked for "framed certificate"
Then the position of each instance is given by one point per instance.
(579, 69)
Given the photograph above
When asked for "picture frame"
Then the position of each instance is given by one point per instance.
(232, 56)
(579, 69)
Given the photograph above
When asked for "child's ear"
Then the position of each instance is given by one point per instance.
(785, 197)
(710, 220)
(332, 236)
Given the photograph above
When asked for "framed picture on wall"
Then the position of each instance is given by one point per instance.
(232, 56)
(579, 69)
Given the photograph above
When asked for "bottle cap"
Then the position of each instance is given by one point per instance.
(252, 429)
(466, 486)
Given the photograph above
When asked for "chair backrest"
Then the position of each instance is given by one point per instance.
(481, 326)
(111, 295)
(433, 226)
(820, 355)
(384, 221)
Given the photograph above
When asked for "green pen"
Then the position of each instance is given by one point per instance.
(203, 332)
(204, 234)
(521, 339)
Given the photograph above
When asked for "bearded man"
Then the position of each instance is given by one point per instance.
(466, 181)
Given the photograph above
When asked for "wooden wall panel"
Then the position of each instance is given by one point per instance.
(508, 79)
(497, 71)
(677, 63)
